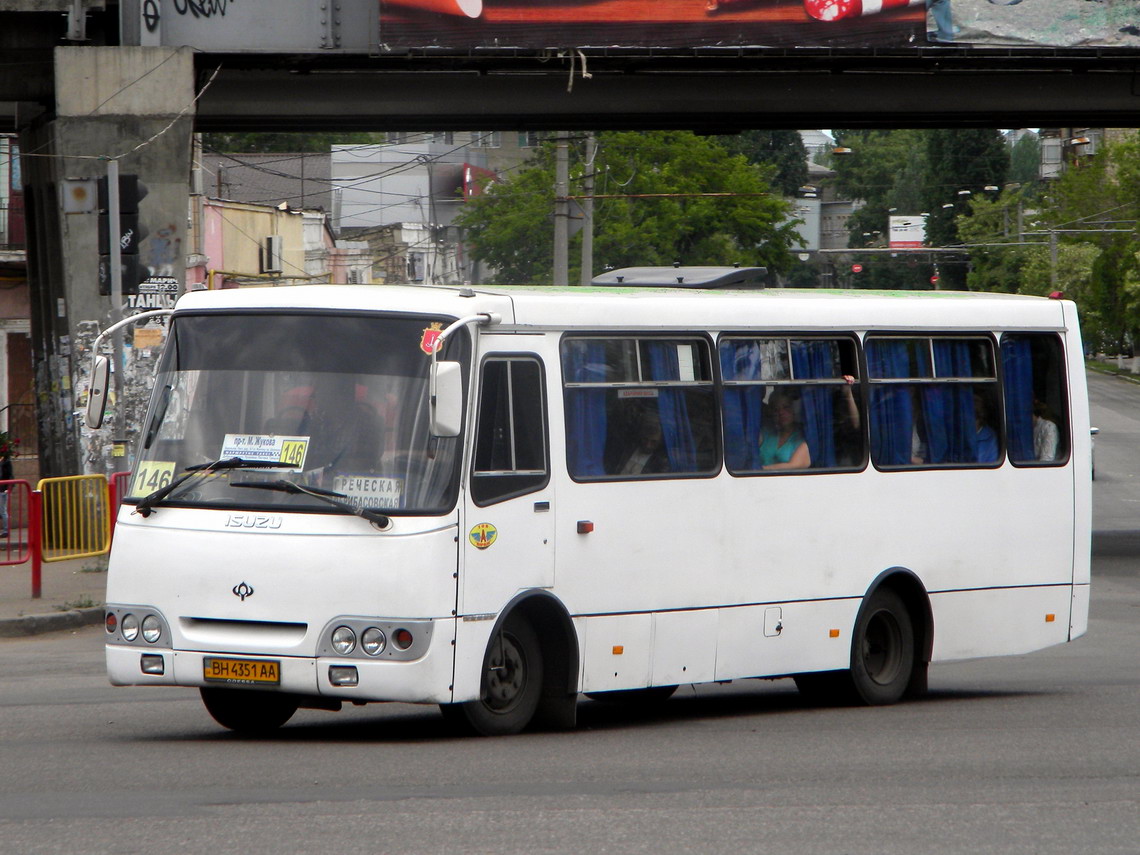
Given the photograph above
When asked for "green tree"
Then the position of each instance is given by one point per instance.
(658, 216)
(961, 163)
(990, 230)
(1025, 161)
(884, 170)
(1096, 202)
(782, 149)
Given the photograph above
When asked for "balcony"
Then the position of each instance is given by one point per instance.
(13, 235)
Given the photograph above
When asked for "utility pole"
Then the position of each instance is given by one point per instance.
(1053, 250)
(561, 209)
(1052, 260)
(588, 211)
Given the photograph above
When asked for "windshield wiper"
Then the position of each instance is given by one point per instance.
(145, 507)
(328, 496)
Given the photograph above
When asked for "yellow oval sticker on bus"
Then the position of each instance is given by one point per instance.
(483, 535)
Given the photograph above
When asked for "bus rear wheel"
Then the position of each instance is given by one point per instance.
(250, 712)
(882, 650)
(512, 683)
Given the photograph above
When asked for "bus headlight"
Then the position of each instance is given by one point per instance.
(130, 627)
(372, 641)
(151, 629)
(343, 640)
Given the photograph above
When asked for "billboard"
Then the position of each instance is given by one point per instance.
(907, 232)
(593, 24)
(382, 27)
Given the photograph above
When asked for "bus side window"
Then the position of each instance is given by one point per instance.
(1036, 403)
(639, 406)
(934, 401)
(510, 438)
(813, 381)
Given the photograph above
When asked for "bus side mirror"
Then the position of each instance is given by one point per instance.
(447, 399)
(97, 394)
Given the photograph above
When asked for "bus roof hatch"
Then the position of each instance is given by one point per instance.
(684, 277)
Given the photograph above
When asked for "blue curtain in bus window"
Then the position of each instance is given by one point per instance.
(585, 362)
(892, 414)
(1017, 362)
(740, 360)
(814, 360)
(671, 408)
(948, 409)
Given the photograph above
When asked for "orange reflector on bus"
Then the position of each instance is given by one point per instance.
(834, 633)
(618, 650)
(585, 526)
(1050, 618)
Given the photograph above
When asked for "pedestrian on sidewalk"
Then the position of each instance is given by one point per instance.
(7, 449)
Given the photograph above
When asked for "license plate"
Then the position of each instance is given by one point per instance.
(259, 671)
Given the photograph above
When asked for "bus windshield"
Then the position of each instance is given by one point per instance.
(341, 401)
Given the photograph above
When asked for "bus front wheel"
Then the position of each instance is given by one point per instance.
(246, 711)
(882, 650)
(512, 683)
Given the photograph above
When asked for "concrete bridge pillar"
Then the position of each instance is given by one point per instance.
(134, 105)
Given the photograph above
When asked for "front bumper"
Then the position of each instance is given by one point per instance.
(423, 680)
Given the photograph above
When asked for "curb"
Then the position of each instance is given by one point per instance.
(37, 624)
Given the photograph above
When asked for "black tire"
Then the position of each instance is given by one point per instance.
(647, 697)
(511, 685)
(882, 649)
(253, 713)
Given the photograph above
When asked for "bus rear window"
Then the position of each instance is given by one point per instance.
(1036, 403)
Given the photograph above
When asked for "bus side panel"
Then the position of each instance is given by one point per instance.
(813, 636)
(684, 647)
(472, 634)
(1079, 619)
(615, 651)
(709, 543)
(999, 621)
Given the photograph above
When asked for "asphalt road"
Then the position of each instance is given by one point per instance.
(1030, 754)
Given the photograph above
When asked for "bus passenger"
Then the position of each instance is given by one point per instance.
(783, 446)
(648, 455)
(987, 439)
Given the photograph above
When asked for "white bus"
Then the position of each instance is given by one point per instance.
(499, 499)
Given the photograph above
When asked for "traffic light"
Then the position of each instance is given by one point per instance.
(130, 232)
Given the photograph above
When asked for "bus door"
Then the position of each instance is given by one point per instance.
(509, 514)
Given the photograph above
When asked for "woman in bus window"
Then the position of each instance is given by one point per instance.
(783, 446)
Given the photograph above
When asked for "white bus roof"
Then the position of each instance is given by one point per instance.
(641, 308)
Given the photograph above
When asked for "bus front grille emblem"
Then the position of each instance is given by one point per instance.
(242, 591)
